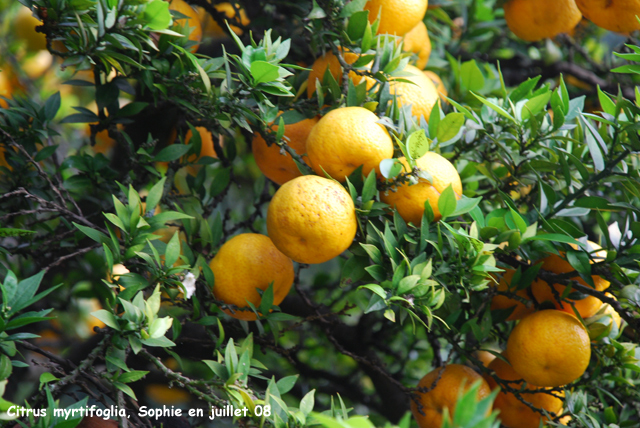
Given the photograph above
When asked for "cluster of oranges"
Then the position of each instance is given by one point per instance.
(312, 219)
(534, 20)
(547, 349)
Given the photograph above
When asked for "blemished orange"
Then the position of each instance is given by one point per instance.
(192, 21)
(397, 17)
(210, 26)
(613, 15)
(503, 302)
(417, 41)
(446, 384)
(534, 20)
(442, 90)
(549, 348)
(277, 166)
(586, 307)
(25, 29)
(346, 138)
(421, 93)
(409, 199)
(513, 412)
(247, 262)
(312, 219)
(330, 61)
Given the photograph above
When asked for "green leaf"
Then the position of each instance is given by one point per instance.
(554, 237)
(351, 8)
(357, 24)
(535, 105)
(369, 189)
(263, 72)
(465, 205)
(155, 195)
(418, 143)
(132, 376)
(286, 384)
(495, 107)
(156, 15)
(24, 292)
(307, 402)
(447, 202)
(6, 232)
(449, 128)
(107, 317)
(376, 289)
(608, 106)
(172, 152)
(126, 389)
(172, 252)
(471, 78)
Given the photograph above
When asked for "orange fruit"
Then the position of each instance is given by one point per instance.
(166, 395)
(549, 348)
(446, 384)
(397, 17)
(442, 91)
(25, 29)
(206, 148)
(586, 307)
(421, 93)
(613, 15)
(210, 26)
(417, 41)
(312, 219)
(277, 166)
(191, 24)
(245, 263)
(504, 302)
(346, 138)
(540, 19)
(513, 412)
(330, 61)
(409, 199)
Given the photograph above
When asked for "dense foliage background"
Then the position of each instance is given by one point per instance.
(107, 218)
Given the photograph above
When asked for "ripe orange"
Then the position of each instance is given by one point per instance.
(513, 412)
(442, 91)
(165, 395)
(549, 348)
(25, 29)
(409, 199)
(541, 19)
(446, 384)
(210, 27)
(586, 307)
(190, 25)
(397, 17)
(346, 138)
(330, 61)
(504, 302)
(613, 15)
(277, 166)
(417, 41)
(312, 219)
(421, 94)
(206, 148)
(245, 263)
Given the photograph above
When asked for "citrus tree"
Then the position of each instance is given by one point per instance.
(339, 213)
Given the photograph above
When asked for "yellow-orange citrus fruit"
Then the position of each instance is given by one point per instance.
(503, 302)
(397, 17)
(409, 199)
(613, 15)
(541, 19)
(446, 384)
(248, 262)
(421, 94)
(192, 21)
(586, 307)
(25, 29)
(279, 167)
(312, 219)
(210, 26)
(513, 412)
(206, 148)
(615, 316)
(346, 138)
(36, 65)
(549, 348)
(417, 41)
(442, 91)
(485, 357)
(330, 61)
